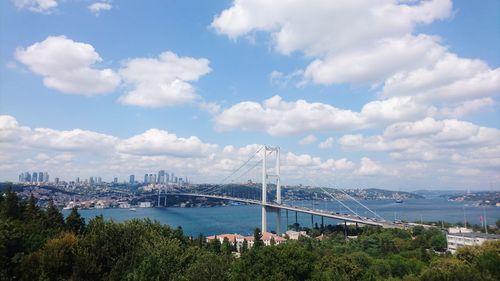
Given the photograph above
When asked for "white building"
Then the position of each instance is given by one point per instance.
(457, 239)
(294, 235)
(236, 239)
(145, 205)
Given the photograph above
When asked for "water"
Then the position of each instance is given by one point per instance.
(244, 218)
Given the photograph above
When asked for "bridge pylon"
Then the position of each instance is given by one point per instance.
(265, 175)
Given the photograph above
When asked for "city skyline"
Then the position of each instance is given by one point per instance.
(389, 94)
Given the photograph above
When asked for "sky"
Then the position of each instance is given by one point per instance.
(366, 93)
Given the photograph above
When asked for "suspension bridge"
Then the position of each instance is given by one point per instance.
(277, 205)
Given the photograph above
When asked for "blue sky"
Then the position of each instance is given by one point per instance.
(396, 94)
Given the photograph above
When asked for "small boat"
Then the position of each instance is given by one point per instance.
(399, 201)
(133, 209)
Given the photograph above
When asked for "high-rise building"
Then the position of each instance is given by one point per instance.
(131, 179)
(115, 180)
(99, 180)
(34, 178)
(91, 180)
(27, 177)
(46, 177)
(150, 180)
(56, 180)
(166, 178)
(146, 178)
(78, 180)
(40, 177)
(161, 176)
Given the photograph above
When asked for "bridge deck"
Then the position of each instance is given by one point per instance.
(322, 213)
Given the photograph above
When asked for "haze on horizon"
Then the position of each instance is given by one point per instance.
(371, 94)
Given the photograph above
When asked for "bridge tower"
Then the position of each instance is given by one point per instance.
(265, 176)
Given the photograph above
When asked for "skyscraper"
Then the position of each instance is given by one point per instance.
(146, 178)
(115, 180)
(40, 177)
(34, 178)
(161, 176)
(131, 179)
(46, 177)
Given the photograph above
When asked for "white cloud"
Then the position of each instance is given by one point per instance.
(467, 108)
(38, 6)
(372, 64)
(159, 142)
(369, 167)
(97, 7)
(447, 141)
(278, 117)
(308, 140)
(448, 79)
(282, 80)
(328, 143)
(162, 81)
(66, 66)
(317, 27)
(350, 39)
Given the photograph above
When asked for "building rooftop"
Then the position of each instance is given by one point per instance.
(489, 236)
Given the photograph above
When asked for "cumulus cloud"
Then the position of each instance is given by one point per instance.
(67, 66)
(97, 7)
(159, 142)
(445, 141)
(368, 43)
(369, 167)
(328, 143)
(278, 117)
(162, 81)
(308, 140)
(38, 6)
(349, 39)
(448, 79)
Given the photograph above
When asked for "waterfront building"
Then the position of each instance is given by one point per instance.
(459, 237)
(145, 204)
(294, 235)
(237, 239)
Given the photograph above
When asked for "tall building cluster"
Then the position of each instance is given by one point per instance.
(35, 177)
(163, 177)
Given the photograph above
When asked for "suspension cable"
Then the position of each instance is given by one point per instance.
(246, 162)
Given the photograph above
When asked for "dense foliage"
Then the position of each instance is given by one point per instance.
(38, 244)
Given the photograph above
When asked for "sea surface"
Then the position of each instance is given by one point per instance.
(236, 218)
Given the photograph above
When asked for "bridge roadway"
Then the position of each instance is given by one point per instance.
(322, 213)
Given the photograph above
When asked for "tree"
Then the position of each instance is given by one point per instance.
(54, 219)
(449, 270)
(74, 222)
(11, 208)
(438, 242)
(257, 238)
(226, 246)
(244, 247)
(54, 261)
